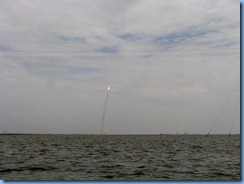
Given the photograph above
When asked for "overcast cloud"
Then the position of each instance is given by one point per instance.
(171, 65)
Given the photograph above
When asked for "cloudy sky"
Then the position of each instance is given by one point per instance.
(173, 66)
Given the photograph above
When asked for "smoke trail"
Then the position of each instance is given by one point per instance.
(102, 131)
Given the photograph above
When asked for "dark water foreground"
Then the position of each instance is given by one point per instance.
(119, 157)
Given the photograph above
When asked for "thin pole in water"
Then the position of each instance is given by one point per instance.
(223, 108)
(234, 117)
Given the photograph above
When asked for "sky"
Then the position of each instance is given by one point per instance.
(173, 66)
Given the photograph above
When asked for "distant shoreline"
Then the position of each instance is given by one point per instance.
(109, 134)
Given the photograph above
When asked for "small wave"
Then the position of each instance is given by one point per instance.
(139, 173)
(142, 166)
(222, 174)
(10, 170)
(197, 146)
(108, 177)
(37, 168)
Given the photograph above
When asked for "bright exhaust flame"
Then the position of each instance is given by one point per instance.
(108, 88)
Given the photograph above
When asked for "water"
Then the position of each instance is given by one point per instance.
(119, 157)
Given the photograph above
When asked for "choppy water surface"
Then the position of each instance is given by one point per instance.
(119, 157)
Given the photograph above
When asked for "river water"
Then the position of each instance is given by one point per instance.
(119, 157)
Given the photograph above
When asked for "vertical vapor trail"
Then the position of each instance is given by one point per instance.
(104, 112)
